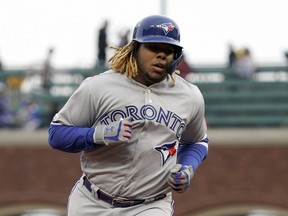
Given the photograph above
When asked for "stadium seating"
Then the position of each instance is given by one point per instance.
(237, 102)
(230, 101)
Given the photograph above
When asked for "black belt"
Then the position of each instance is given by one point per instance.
(119, 202)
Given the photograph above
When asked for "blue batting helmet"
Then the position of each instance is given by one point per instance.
(159, 29)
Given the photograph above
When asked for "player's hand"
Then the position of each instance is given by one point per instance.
(116, 132)
(180, 177)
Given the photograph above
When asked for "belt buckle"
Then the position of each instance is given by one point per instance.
(120, 201)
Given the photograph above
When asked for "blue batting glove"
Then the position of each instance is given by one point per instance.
(116, 132)
(180, 177)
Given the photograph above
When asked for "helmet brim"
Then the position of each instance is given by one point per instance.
(159, 39)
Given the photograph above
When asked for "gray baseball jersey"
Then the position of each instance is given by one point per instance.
(162, 115)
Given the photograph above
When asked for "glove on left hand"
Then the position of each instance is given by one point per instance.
(117, 132)
(180, 177)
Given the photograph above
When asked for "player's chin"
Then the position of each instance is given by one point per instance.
(155, 79)
(157, 76)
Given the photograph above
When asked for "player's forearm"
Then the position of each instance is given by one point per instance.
(192, 154)
(70, 139)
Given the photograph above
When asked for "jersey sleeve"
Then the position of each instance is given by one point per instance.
(71, 128)
(79, 110)
(196, 128)
(193, 146)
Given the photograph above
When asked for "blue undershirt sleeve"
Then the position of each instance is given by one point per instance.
(70, 139)
(192, 154)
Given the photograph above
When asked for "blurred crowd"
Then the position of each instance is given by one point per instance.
(241, 62)
(28, 115)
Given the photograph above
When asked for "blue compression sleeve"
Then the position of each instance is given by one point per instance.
(192, 154)
(70, 139)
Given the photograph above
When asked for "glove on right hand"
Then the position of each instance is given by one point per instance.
(180, 177)
(116, 132)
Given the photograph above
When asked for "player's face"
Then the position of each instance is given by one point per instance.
(153, 60)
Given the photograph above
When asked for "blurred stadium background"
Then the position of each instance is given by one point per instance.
(245, 173)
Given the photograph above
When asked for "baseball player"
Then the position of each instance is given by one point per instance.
(140, 127)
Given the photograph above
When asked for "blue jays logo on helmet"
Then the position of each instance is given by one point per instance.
(167, 150)
(167, 27)
(157, 29)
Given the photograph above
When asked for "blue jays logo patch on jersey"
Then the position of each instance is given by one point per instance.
(167, 27)
(166, 150)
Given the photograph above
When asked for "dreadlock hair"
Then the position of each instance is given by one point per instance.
(124, 60)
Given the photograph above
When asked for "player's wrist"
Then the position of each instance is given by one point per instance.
(98, 135)
(188, 168)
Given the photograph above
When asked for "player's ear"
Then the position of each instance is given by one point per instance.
(137, 45)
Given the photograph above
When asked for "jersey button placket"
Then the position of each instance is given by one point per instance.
(149, 96)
